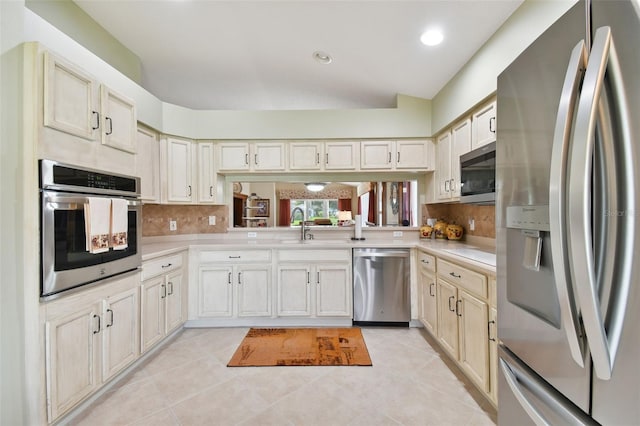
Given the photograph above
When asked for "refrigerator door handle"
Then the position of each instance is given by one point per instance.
(557, 201)
(603, 343)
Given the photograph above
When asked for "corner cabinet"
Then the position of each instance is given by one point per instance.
(314, 283)
(89, 338)
(163, 298)
(189, 175)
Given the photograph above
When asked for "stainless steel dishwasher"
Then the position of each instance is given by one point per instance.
(381, 292)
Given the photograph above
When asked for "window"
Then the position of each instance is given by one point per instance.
(315, 209)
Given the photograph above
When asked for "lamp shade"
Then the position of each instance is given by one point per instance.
(344, 215)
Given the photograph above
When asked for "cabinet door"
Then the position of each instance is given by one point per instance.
(484, 126)
(152, 313)
(72, 358)
(333, 292)
(447, 319)
(305, 155)
(118, 120)
(254, 290)
(269, 156)
(294, 296)
(493, 353)
(443, 168)
(175, 289)
(121, 332)
(206, 173)
(340, 156)
(460, 144)
(428, 301)
(148, 165)
(414, 155)
(179, 185)
(69, 99)
(376, 155)
(215, 291)
(474, 340)
(233, 156)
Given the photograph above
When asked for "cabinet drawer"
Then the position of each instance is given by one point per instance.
(464, 278)
(427, 261)
(314, 255)
(235, 256)
(159, 266)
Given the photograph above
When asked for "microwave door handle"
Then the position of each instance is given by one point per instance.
(557, 203)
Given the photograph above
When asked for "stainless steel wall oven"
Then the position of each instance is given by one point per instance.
(66, 263)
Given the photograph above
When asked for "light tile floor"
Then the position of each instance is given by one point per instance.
(188, 383)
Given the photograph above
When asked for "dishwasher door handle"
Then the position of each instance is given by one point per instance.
(381, 254)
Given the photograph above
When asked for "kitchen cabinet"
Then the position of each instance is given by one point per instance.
(234, 283)
(163, 299)
(251, 156)
(396, 155)
(483, 125)
(428, 309)
(314, 283)
(463, 319)
(451, 145)
(77, 104)
(335, 155)
(148, 164)
(189, 174)
(206, 173)
(493, 340)
(89, 338)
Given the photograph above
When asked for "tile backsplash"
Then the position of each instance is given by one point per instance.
(484, 217)
(189, 219)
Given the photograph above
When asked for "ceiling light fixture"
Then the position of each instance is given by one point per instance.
(315, 186)
(432, 38)
(322, 57)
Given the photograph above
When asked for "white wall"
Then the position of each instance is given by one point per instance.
(478, 78)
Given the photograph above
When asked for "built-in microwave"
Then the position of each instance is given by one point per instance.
(478, 175)
(65, 260)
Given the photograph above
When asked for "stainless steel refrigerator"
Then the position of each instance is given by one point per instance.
(568, 151)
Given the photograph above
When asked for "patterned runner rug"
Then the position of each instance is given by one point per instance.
(301, 346)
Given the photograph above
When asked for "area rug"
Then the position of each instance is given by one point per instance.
(301, 346)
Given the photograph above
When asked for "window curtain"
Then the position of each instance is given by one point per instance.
(284, 218)
(344, 204)
(372, 206)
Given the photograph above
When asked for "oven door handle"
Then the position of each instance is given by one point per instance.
(74, 202)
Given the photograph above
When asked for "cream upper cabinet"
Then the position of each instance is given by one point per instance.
(254, 156)
(77, 104)
(148, 164)
(377, 154)
(305, 155)
(397, 155)
(341, 155)
(70, 98)
(443, 168)
(119, 120)
(484, 125)
(206, 173)
(179, 170)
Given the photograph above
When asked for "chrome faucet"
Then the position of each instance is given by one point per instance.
(304, 231)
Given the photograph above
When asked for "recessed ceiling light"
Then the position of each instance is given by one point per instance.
(432, 38)
(322, 57)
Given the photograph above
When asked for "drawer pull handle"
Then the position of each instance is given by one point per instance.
(234, 257)
(453, 274)
(425, 261)
(450, 299)
(167, 265)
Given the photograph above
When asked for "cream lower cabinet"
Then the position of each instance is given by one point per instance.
(314, 283)
(234, 284)
(89, 338)
(427, 293)
(463, 320)
(163, 293)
